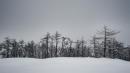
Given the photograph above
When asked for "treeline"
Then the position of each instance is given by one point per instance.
(57, 45)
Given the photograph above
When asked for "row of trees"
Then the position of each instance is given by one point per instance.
(59, 46)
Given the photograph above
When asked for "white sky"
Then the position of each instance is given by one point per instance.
(31, 19)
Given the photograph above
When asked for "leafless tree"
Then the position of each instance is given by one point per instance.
(47, 38)
(106, 33)
(57, 37)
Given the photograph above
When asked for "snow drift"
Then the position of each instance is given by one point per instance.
(64, 65)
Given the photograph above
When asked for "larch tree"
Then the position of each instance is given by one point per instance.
(47, 38)
(57, 37)
(106, 35)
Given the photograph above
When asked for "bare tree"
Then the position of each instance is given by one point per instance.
(46, 38)
(15, 46)
(7, 46)
(83, 42)
(51, 46)
(57, 37)
(63, 42)
(21, 48)
(70, 43)
(107, 33)
(96, 45)
(30, 48)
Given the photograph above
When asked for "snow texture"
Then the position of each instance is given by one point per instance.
(64, 65)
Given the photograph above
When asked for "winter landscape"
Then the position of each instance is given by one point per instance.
(64, 65)
(64, 36)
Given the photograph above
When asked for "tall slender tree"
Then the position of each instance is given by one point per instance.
(47, 38)
(15, 46)
(7, 46)
(21, 48)
(107, 33)
(57, 37)
(83, 42)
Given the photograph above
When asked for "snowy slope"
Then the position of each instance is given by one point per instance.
(64, 65)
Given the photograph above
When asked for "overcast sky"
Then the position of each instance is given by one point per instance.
(31, 19)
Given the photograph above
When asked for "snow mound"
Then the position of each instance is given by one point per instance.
(64, 65)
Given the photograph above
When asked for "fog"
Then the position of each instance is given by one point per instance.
(31, 19)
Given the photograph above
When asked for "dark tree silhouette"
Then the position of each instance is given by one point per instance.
(107, 34)
(60, 46)
(47, 38)
(57, 37)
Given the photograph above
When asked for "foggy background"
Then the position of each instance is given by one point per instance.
(31, 19)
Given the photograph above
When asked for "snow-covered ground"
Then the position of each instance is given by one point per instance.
(64, 65)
